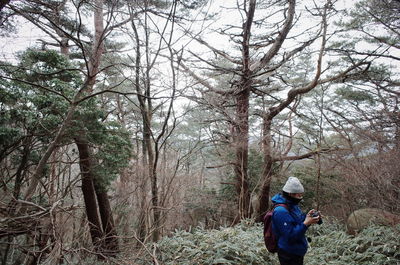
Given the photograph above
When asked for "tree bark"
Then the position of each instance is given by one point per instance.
(19, 174)
(103, 232)
(241, 135)
(110, 243)
(88, 190)
(267, 169)
(241, 126)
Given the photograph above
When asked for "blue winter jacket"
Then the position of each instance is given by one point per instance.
(289, 227)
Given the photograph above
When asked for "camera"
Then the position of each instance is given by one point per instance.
(315, 214)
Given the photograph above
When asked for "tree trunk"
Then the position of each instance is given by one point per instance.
(267, 169)
(151, 172)
(143, 191)
(155, 202)
(145, 103)
(241, 126)
(19, 174)
(102, 230)
(88, 190)
(42, 163)
(110, 244)
(241, 135)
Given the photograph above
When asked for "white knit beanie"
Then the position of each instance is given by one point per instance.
(293, 185)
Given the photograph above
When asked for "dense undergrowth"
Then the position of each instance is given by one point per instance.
(243, 244)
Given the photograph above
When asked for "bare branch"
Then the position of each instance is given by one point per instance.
(215, 50)
(204, 82)
(278, 41)
(306, 155)
(219, 166)
(293, 93)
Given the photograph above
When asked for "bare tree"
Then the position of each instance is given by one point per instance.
(153, 140)
(257, 73)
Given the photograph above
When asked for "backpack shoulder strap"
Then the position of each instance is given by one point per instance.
(281, 204)
(285, 206)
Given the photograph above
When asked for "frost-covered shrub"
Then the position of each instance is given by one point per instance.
(242, 244)
(374, 245)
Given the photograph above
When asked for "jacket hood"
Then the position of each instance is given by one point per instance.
(278, 198)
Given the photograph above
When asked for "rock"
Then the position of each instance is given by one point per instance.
(361, 218)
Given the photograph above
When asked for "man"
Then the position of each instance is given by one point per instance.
(290, 225)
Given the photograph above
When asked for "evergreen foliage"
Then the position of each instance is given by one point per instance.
(243, 244)
(35, 101)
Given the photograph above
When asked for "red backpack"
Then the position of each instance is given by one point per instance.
(270, 240)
